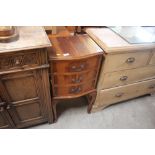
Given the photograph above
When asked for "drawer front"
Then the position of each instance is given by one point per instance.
(126, 61)
(124, 77)
(18, 61)
(74, 78)
(74, 66)
(152, 61)
(74, 89)
(114, 95)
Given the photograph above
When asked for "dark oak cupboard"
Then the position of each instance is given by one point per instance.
(24, 81)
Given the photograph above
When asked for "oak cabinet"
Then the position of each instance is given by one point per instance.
(24, 82)
(23, 98)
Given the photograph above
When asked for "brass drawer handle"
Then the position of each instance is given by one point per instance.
(78, 69)
(73, 67)
(77, 80)
(130, 60)
(152, 86)
(123, 78)
(119, 94)
(75, 90)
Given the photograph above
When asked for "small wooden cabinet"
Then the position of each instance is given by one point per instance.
(24, 81)
(74, 67)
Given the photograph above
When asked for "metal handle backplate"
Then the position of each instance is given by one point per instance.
(130, 60)
(123, 78)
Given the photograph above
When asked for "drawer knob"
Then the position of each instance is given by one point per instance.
(123, 78)
(119, 95)
(17, 62)
(2, 105)
(130, 60)
(8, 107)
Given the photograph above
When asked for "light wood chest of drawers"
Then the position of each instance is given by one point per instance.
(128, 70)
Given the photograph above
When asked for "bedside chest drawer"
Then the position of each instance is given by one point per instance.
(113, 95)
(17, 61)
(62, 79)
(75, 65)
(73, 90)
(126, 61)
(114, 79)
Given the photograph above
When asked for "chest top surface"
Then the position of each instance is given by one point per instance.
(30, 37)
(110, 42)
(73, 47)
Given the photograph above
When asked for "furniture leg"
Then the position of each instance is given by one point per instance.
(91, 99)
(54, 104)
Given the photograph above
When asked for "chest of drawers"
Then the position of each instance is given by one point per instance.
(24, 80)
(74, 66)
(128, 70)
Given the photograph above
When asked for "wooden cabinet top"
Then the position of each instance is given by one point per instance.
(30, 37)
(73, 47)
(110, 42)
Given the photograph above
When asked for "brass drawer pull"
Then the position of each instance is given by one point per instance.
(75, 90)
(123, 78)
(119, 94)
(78, 69)
(130, 60)
(77, 80)
(73, 67)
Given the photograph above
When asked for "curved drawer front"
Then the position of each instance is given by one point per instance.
(74, 65)
(125, 61)
(124, 77)
(117, 94)
(18, 61)
(65, 79)
(73, 89)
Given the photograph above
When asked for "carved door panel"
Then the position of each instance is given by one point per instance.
(23, 94)
(5, 119)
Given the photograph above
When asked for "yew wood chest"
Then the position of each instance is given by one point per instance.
(24, 80)
(74, 67)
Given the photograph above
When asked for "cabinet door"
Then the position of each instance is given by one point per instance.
(5, 119)
(23, 94)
